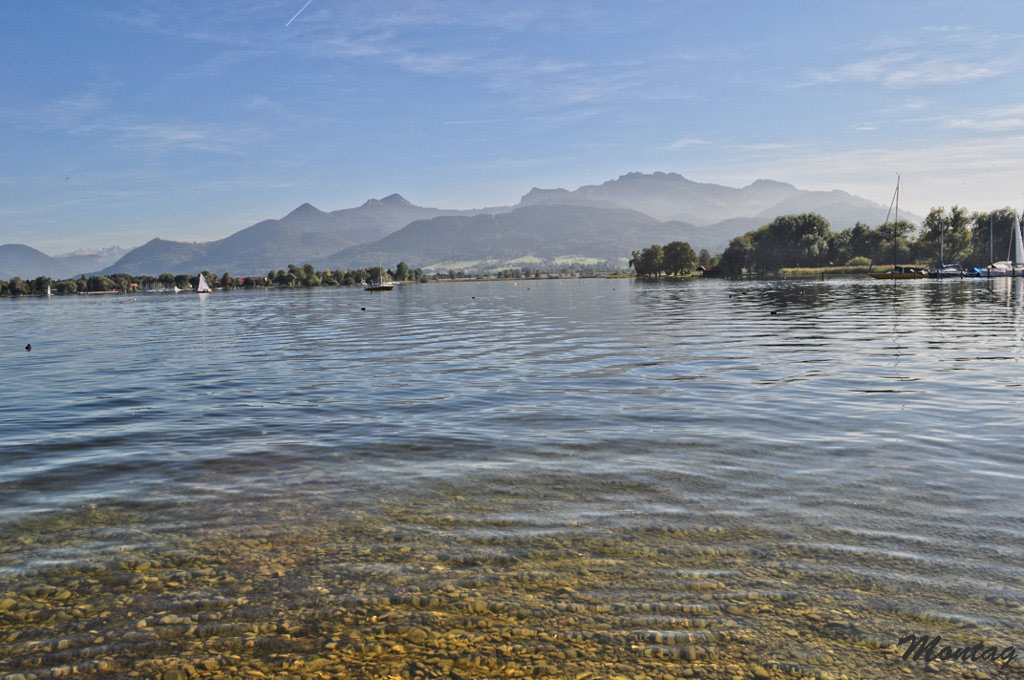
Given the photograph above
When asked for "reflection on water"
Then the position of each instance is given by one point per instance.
(763, 479)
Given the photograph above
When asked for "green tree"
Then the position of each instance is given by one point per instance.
(403, 272)
(122, 282)
(704, 258)
(947, 236)
(101, 284)
(792, 241)
(839, 246)
(898, 235)
(647, 263)
(734, 259)
(997, 224)
(678, 258)
(40, 283)
(17, 287)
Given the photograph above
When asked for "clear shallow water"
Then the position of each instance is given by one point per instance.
(810, 470)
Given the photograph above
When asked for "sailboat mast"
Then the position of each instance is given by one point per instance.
(895, 223)
(942, 242)
(1009, 247)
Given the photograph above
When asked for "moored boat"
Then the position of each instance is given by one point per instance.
(1006, 268)
(901, 272)
(946, 271)
(380, 283)
(898, 271)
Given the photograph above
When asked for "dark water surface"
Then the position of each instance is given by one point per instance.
(548, 479)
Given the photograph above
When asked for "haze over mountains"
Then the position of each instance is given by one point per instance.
(606, 222)
(597, 222)
(26, 262)
(303, 235)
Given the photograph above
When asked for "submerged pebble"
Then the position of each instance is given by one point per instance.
(320, 593)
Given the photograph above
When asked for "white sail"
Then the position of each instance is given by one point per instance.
(1018, 247)
(203, 286)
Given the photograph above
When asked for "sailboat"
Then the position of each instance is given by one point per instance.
(945, 270)
(203, 286)
(49, 293)
(380, 283)
(897, 271)
(1014, 267)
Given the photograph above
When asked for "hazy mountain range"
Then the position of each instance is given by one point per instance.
(28, 263)
(527, 235)
(604, 222)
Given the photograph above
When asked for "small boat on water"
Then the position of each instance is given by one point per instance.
(946, 271)
(1000, 269)
(900, 271)
(380, 283)
(1005, 268)
(203, 286)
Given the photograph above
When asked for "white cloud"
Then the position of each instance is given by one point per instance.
(763, 146)
(172, 137)
(482, 121)
(683, 143)
(993, 120)
(957, 55)
(93, 113)
(911, 68)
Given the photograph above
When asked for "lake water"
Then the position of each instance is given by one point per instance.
(542, 479)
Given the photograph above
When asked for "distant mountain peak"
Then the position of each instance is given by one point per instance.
(19, 247)
(648, 175)
(759, 183)
(394, 200)
(304, 210)
(536, 195)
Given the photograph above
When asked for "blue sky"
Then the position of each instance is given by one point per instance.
(190, 120)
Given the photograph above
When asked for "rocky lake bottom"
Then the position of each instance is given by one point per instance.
(602, 494)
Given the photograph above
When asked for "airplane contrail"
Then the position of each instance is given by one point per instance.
(297, 14)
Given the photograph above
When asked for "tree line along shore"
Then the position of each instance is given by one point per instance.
(292, 277)
(806, 241)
